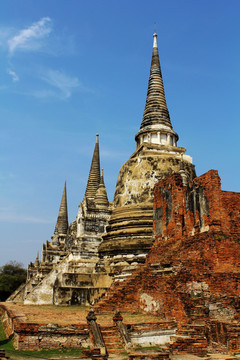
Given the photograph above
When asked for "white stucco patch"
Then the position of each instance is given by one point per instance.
(149, 338)
(148, 304)
(197, 287)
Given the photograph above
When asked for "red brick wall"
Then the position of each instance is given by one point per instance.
(30, 336)
(201, 206)
(210, 256)
(231, 219)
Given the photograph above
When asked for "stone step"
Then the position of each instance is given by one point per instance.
(148, 356)
(110, 336)
(185, 344)
(115, 351)
(114, 346)
(111, 331)
(190, 332)
(111, 341)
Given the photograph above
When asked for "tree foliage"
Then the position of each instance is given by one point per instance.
(12, 275)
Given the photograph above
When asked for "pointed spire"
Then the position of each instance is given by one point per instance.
(156, 116)
(94, 174)
(62, 220)
(101, 199)
(156, 110)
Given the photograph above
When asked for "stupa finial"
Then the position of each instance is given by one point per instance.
(155, 36)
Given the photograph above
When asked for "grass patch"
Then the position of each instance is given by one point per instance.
(7, 345)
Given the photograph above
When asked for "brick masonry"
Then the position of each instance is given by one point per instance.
(199, 207)
(34, 336)
(192, 272)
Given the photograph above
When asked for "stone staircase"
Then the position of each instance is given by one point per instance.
(190, 339)
(120, 293)
(196, 307)
(18, 294)
(112, 340)
(125, 273)
(123, 289)
(71, 281)
(42, 293)
(149, 356)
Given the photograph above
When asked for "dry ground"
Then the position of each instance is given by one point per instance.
(66, 315)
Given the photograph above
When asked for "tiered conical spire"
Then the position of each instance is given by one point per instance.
(156, 115)
(62, 220)
(156, 111)
(101, 199)
(94, 174)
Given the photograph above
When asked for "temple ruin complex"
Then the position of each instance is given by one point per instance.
(167, 245)
(107, 241)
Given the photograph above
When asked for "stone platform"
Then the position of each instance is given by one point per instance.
(49, 327)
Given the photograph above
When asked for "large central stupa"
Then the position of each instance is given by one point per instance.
(129, 234)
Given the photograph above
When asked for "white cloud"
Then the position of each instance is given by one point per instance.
(64, 83)
(28, 39)
(14, 76)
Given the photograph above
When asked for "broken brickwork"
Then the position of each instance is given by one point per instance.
(198, 207)
(192, 272)
(35, 336)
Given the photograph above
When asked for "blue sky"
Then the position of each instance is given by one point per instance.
(70, 69)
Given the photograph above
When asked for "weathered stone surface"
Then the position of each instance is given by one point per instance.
(156, 156)
(66, 273)
(130, 227)
(148, 165)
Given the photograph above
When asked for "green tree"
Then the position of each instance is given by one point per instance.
(12, 275)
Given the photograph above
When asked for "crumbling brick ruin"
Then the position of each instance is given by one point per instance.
(200, 206)
(192, 272)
